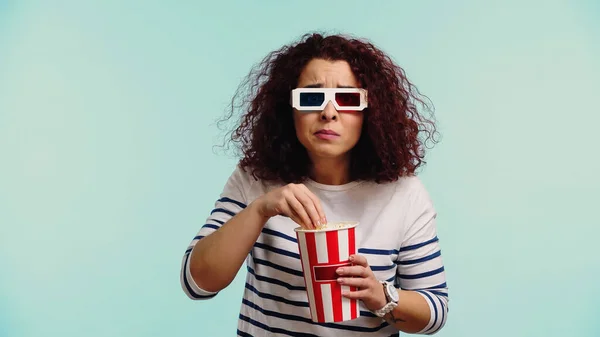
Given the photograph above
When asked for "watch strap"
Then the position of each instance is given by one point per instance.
(386, 309)
(389, 306)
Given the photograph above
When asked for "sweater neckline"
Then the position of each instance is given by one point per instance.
(343, 187)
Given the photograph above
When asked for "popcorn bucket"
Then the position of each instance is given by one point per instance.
(322, 251)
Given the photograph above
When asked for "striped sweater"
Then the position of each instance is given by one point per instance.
(397, 234)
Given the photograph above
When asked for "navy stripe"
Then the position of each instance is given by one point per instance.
(187, 284)
(198, 237)
(434, 308)
(222, 210)
(391, 279)
(383, 268)
(309, 321)
(378, 251)
(442, 321)
(278, 267)
(225, 199)
(243, 334)
(277, 250)
(423, 259)
(274, 281)
(439, 286)
(426, 274)
(211, 226)
(418, 245)
(439, 293)
(274, 330)
(368, 314)
(279, 234)
(187, 251)
(218, 221)
(276, 298)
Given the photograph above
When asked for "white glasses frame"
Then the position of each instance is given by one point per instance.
(329, 97)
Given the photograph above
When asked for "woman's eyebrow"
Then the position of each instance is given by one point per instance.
(320, 85)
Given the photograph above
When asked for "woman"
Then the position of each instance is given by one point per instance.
(315, 151)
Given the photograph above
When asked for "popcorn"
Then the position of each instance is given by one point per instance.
(335, 225)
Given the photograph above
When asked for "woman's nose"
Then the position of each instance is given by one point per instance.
(329, 113)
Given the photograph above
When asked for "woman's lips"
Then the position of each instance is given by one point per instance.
(326, 134)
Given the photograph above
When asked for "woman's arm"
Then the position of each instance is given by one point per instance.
(423, 303)
(215, 258)
(423, 295)
(411, 315)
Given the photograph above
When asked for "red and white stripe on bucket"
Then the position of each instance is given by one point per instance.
(321, 253)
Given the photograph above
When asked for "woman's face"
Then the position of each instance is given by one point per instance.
(328, 133)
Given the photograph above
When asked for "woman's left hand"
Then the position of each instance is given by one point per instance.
(360, 275)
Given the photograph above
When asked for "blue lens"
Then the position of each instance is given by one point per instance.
(311, 98)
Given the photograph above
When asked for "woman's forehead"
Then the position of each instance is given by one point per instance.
(329, 74)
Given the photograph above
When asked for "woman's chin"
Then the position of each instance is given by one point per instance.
(327, 152)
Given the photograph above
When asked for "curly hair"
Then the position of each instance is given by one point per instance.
(390, 145)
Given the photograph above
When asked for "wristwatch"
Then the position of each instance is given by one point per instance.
(392, 297)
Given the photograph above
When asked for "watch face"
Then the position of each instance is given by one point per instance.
(393, 292)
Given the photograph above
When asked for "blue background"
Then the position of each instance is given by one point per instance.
(107, 168)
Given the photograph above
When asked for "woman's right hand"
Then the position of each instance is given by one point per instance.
(295, 201)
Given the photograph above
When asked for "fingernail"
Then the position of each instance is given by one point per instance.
(340, 280)
(340, 270)
(351, 258)
(318, 223)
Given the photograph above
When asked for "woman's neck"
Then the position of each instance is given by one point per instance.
(331, 171)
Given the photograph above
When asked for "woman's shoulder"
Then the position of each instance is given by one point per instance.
(404, 184)
(251, 185)
(408, 188)
(410, 184)
(414, 191)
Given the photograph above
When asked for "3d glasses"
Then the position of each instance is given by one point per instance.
(344, 99)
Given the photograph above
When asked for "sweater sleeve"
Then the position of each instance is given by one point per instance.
(232, 200)
(420, 265)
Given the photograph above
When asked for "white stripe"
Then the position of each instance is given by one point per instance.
(346, 305)
(321, 241)
(343, 238)
(327, 302)
(307, 274)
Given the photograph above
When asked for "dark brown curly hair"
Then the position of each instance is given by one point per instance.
(390, 145)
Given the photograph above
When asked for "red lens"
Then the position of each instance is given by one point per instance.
(349, 99)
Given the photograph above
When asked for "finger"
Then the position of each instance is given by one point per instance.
(354, 271)
(317, 204)
(297, 207)
(359, 260)
(358, 282)
(309, 207)
(288, 212)
(356, 295)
